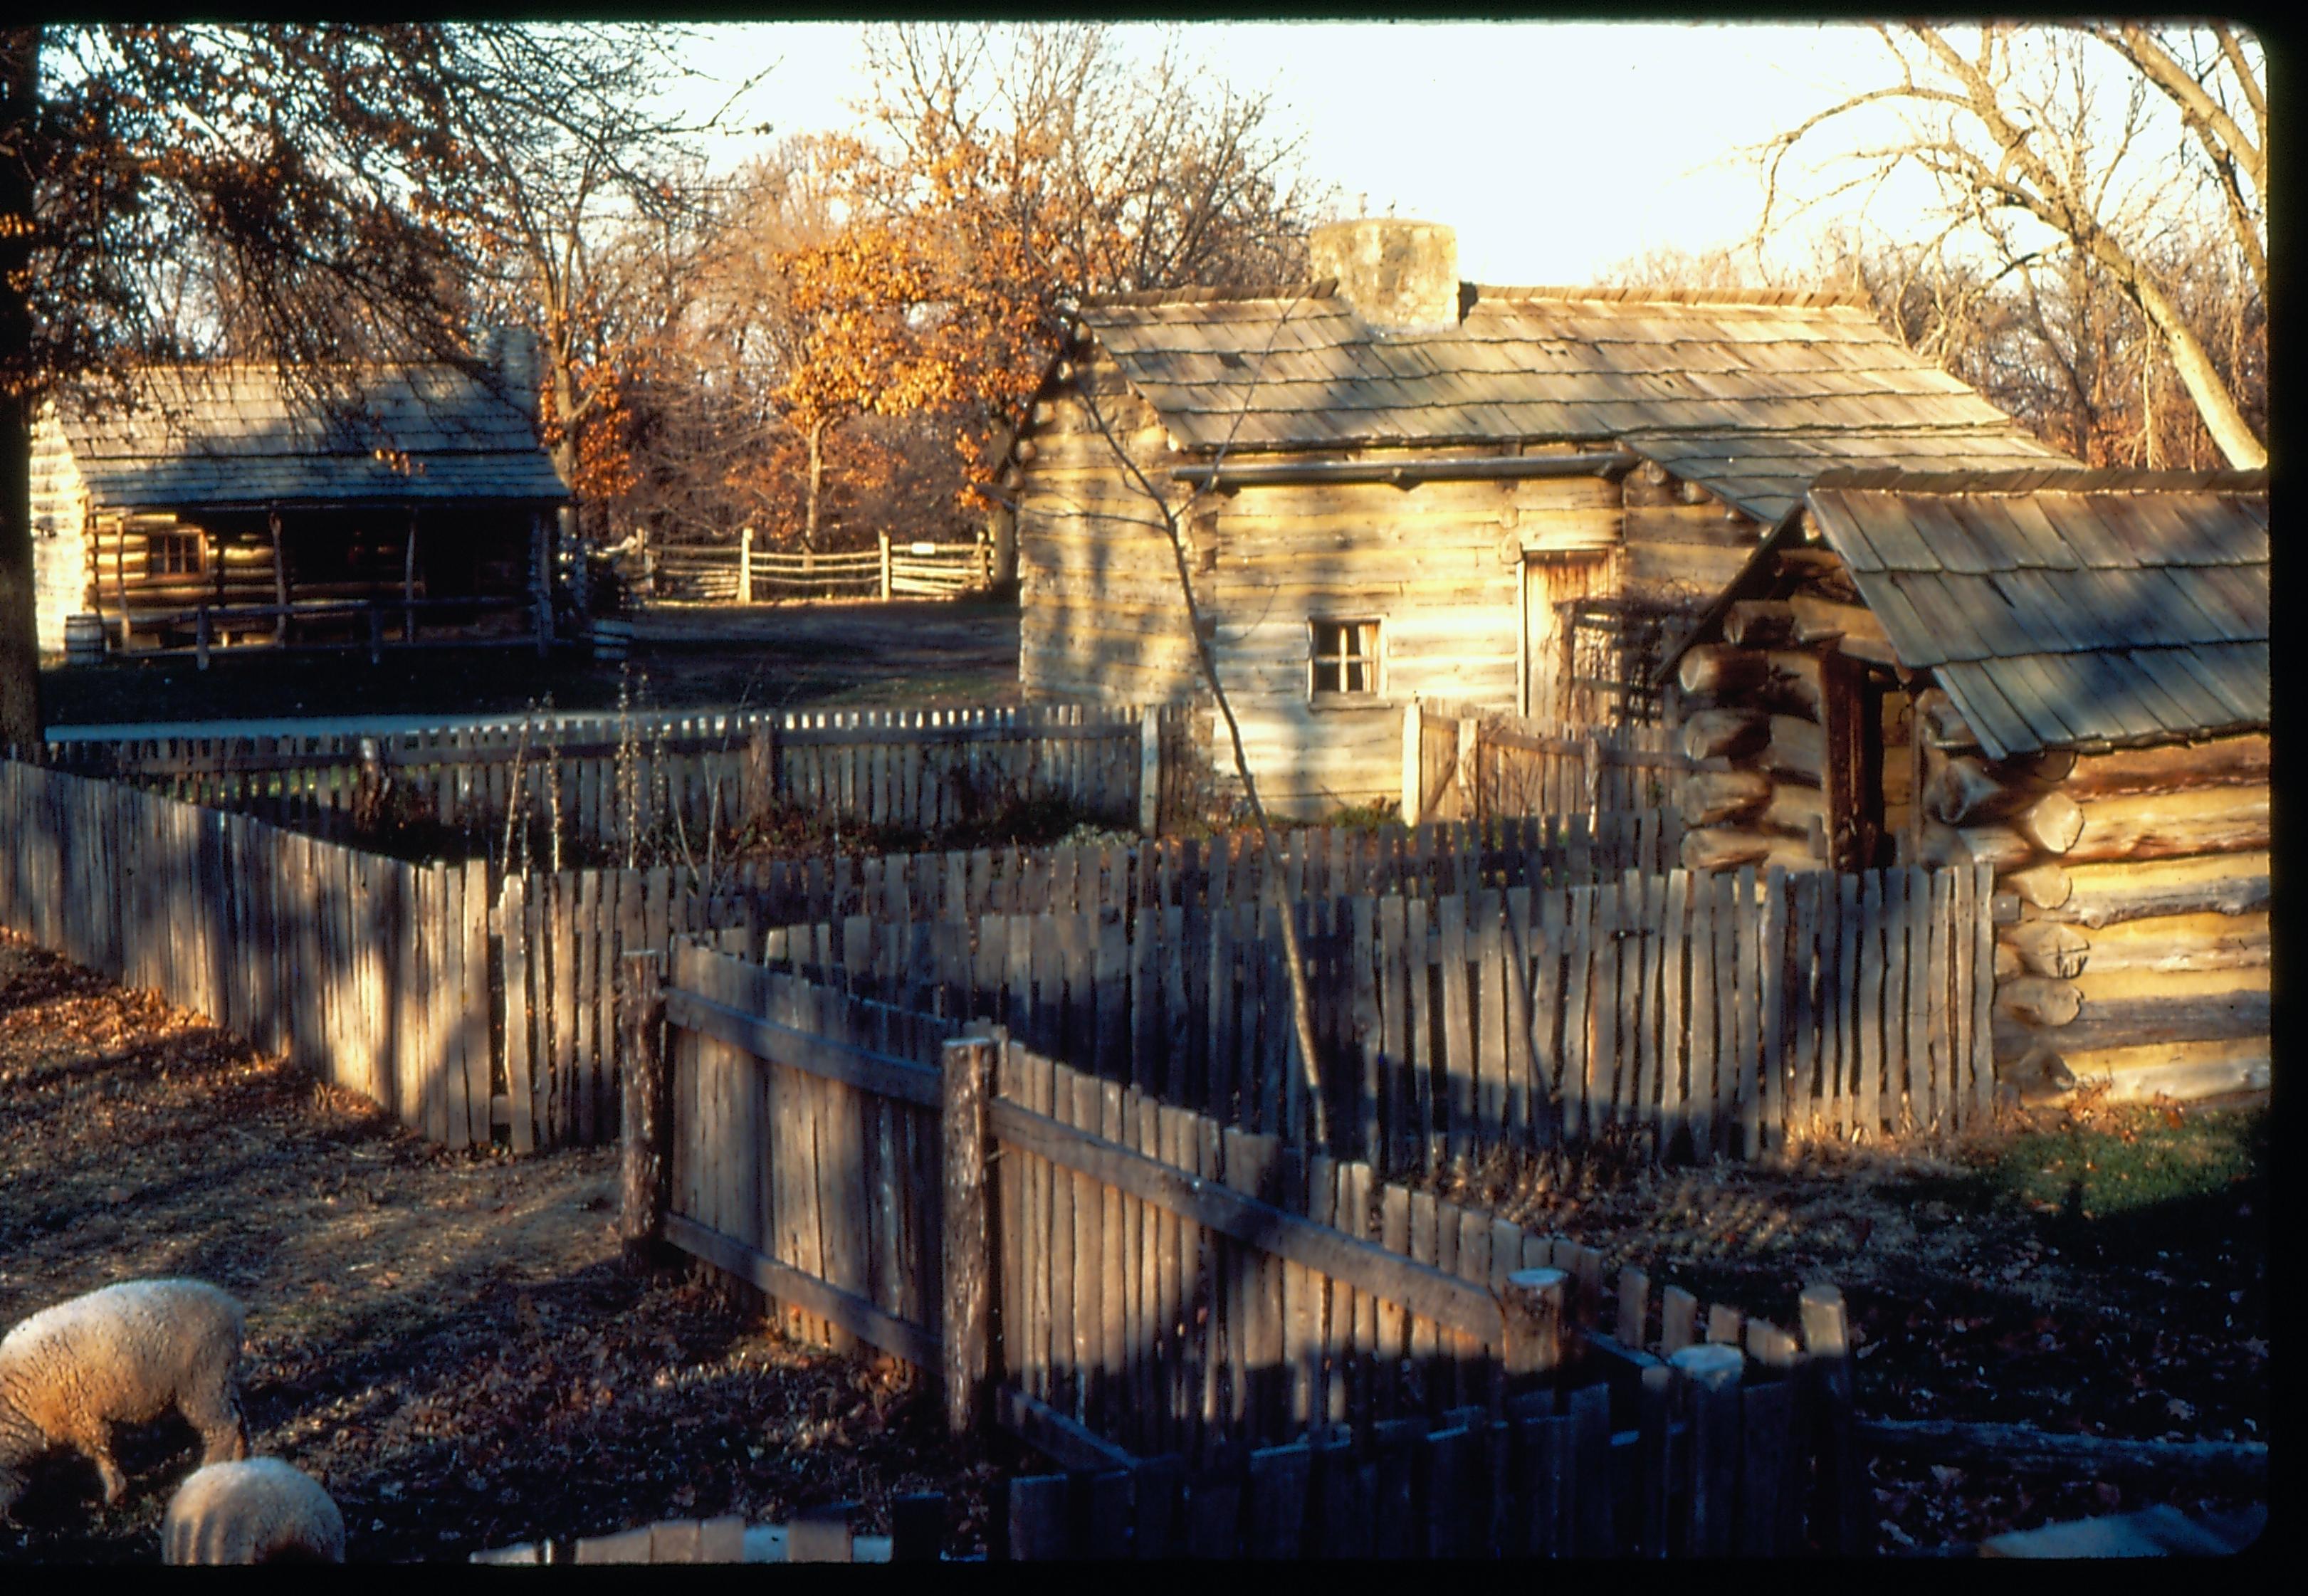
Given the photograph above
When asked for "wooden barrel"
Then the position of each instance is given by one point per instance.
(83, 640)
(612, 640)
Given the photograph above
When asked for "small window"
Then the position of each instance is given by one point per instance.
(1346, 658)
(175, 554)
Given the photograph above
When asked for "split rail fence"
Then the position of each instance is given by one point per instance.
(740, 572)
(1243, 1348)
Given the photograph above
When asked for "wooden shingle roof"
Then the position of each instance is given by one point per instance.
(2065, 609)
(233, 434)
(1748, 394)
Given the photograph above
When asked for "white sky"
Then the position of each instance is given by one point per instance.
(1555, 150)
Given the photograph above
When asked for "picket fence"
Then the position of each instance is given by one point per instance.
(612, 784)
(1473, 763)
(1244, 1344)
(469, 1006)
(901, 927)
(378, 976)
(1704, 1013)
(1429, 861)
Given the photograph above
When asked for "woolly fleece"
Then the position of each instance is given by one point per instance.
(252, 1511)
(123, 1355)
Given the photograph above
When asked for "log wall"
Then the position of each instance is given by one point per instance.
(2163, 925)
(1680, 552)
(2131, 936)
(1100, 616)
(1440, 565)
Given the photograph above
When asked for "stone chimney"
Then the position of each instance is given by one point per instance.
(511, 353)
(1400, 276)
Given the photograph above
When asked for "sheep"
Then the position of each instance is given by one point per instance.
(260, 1511)
(122, 1355)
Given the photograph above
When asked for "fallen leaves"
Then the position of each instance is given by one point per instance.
(444, 1340)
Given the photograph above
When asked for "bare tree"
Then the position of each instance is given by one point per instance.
(1169, 513)
(2032, 162)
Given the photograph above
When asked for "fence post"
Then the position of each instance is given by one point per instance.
(885, 566)
(1411, 795)
(644, 1166)
(967, 1069)
(1469, 772)
(1149, 770)
(1534, 1302)
(745, 566)
(758, 781)
(1843, 1487)
(1707, 1376)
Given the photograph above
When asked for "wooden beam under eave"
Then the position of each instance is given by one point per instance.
(1606, 463)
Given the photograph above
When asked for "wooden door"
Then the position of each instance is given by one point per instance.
(1549, 582)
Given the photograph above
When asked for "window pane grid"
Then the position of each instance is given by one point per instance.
(1345, 657)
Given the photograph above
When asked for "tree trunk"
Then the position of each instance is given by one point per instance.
(1712, 797)
(2201, 378)
(2034, 1000)
(1760, 623)
(2045, 885)
(816, 485)
(2047, 948)
(21, 723)
(1724, 734)
(1716, 848)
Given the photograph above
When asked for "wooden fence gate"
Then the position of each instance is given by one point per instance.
(1246, 1349)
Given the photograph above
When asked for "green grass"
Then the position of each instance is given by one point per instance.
(2123, 1184)
(2127, 1162)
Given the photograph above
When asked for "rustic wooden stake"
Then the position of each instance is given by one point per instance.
(1634, 1306)
(968, 1070)
(1654, 1411)
(644, 1166)
(1708, 1375)
(1827, 1347)
(1534, 1301)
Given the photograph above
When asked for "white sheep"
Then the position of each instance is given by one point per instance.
(123, 1355)
(260, 1511)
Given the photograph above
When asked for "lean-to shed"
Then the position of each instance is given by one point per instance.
(2062, 674)
(225, 487)
(1392, 483)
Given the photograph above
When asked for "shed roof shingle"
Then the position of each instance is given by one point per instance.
(233, 434)
(1750, 395)
(2071, 607)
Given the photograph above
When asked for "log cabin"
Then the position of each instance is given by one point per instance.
(2061, 674)
(1389, 483)
(240, 490)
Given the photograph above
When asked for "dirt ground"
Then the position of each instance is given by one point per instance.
(2090, 1269)
(444, 1340)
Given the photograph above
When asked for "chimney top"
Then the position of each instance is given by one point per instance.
(512, 352)
(1400, 276)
